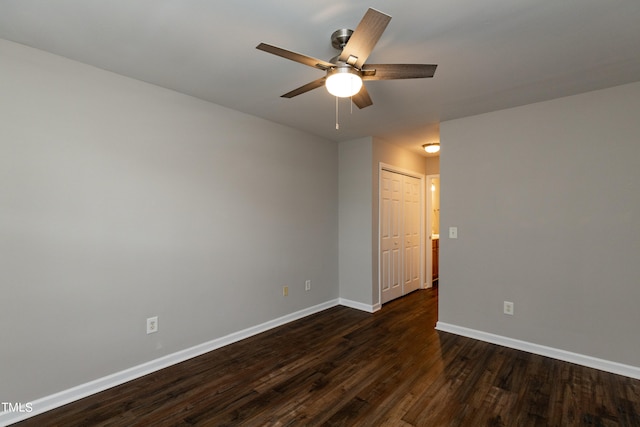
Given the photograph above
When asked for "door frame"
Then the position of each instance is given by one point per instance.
(390, 168)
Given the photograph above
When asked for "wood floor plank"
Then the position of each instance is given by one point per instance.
(344, 367)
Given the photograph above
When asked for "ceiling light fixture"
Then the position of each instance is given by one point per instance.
(432, 148)
(343, 81)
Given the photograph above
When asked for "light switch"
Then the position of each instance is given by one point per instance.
(453, 232)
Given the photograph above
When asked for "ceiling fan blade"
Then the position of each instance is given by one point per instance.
(306, 88)
(364, 38)
(297, 57)
(397, 71)
(362, 98)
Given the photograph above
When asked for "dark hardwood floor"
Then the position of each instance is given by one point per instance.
(344, 367)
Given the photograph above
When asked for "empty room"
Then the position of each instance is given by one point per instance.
(296, 213)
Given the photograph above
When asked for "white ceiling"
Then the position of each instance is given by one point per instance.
(491, 54)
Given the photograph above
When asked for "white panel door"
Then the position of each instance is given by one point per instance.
(390, 235)
(412, 239)
(400, 235)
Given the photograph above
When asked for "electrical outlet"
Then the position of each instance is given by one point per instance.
(508, 308)
(307, 285)
(285, 291)
(152, 325)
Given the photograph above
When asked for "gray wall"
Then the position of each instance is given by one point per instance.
(120, 200)
(546, 201)
(356, 271)
(432, 165)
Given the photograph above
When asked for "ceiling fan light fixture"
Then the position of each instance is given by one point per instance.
(432, 148)
(343, 81)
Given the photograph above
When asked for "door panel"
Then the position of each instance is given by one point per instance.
(412, 236)
(390, 237)
(400, 235)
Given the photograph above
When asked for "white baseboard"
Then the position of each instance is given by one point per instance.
(76, 393)
(359, 305)
(567, 356)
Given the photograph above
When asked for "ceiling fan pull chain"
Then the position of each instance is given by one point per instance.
(337, 124)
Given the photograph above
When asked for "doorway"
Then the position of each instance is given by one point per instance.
(433, 229)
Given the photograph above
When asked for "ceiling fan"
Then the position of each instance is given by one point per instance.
(345, 72)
